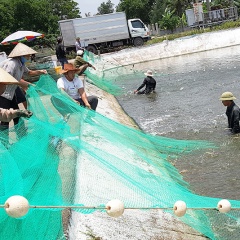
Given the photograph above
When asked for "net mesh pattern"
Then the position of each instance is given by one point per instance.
(67, 155)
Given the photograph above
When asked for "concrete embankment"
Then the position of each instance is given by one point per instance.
(152, 224)
(134, 224)
(177, 47)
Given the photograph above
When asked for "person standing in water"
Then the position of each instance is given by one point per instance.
(149, 82)
(232, 111)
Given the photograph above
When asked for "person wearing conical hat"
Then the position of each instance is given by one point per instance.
(15, 66)
(6, 115)
(232, 111)
(149, 82)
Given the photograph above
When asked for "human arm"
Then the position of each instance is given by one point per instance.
(83, 95)
(6, 115)
(90, 65)
(24, 84)
(142, 85)
(37, 72)
(79, 61)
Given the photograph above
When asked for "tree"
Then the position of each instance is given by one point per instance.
(35, 15)
(157, 11)
(169, 20)
(179, 6)
(136, 9)
(106, 8)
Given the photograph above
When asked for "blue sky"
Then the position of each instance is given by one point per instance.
(92, 5)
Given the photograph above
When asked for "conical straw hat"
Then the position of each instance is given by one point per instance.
(6, 78)
(21, 50)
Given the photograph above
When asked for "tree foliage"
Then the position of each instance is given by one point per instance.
(169, 20)
(136, 9)
(179, 6)
(106, 8)
(35, 15)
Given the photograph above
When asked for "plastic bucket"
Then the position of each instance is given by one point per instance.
(58, 69)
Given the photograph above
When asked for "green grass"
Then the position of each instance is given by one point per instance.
(223, 26)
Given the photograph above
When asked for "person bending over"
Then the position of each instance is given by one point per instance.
(80, 63)
(149, 82)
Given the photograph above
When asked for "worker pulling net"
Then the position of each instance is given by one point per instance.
(68, 156)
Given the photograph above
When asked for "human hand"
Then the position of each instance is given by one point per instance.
(24, 113)
(88, 106)
(44, 71)
(93, 67)
(136, 91)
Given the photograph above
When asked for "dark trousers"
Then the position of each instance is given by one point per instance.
(63, 61)
(64, 109)
(20, 95)
(93, 101)
(7, 104)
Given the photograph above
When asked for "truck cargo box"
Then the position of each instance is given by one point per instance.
(96, 29)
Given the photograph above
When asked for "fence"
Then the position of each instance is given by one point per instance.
(210, 18)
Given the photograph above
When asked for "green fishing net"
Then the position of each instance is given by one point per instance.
(66, 155)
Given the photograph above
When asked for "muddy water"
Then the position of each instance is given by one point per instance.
(186, 106)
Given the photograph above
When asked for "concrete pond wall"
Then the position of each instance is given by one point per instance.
(137, 224)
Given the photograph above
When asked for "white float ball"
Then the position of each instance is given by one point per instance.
(224, 206)
(115, 208)
(180, 208)
(16, 206)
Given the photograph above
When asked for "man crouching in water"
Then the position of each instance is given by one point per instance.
(232, 111)
(149, 82)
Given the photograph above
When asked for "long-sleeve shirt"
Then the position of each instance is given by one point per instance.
(6, 115)
(150, 84)
(79, 61)
(60, 52)
(232, 113)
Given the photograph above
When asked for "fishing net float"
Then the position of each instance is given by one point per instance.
(18, 206)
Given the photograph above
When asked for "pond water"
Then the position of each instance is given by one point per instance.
(186, 106)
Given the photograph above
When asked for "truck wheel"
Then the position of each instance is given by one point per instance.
(138, 41)
(92, 49)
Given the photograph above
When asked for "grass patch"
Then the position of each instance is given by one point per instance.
(223, 26)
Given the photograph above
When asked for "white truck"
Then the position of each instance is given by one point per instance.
(103, 32)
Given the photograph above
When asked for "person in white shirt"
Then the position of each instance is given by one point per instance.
(78, 44)
(73, 86)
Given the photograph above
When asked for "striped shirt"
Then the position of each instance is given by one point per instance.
(15, 68)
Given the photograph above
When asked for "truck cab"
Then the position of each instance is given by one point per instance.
(138, 31)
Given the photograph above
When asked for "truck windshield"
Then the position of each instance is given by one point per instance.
(137, 24)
